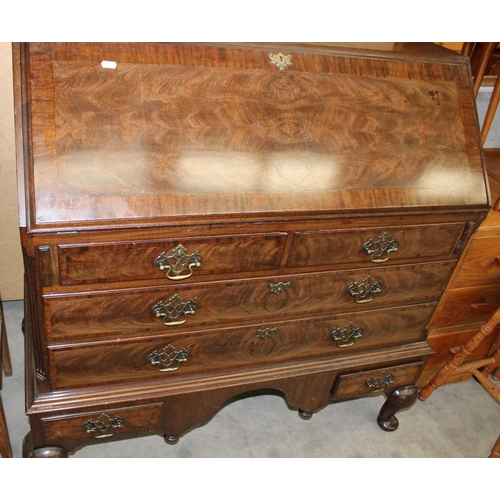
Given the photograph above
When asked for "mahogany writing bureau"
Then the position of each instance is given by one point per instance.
(205, 221)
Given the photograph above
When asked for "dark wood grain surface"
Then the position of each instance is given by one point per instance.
(202, 131)
(104, 363)
(84, 315)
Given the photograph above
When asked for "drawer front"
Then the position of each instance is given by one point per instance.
(172, 309)
(464, 306)
(169, 260)
(481, 264)
(102, 363)
(110, 422)
(374, 245)
(378, 380)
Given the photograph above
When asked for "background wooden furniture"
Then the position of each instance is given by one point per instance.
(473, 292)
(206, 221)
(481, 369)
(485, 60)
(5, 367)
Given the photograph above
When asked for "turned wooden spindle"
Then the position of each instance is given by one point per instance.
(458, 359)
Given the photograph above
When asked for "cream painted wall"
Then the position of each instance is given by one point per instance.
(11, 267)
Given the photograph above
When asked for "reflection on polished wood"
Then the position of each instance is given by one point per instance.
(153, 138)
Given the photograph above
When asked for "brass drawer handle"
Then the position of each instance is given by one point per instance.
(380, 249)
(264, 333)
(178, 262)
(280, 287)
(380, 382)
(365, 291)
(168, 359)
(346, 337)
(102, 425)
(174, 309)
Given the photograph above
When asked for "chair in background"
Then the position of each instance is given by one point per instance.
(481, 369)
(6, 367)
(483, 57)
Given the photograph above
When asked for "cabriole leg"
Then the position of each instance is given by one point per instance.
(398, 400)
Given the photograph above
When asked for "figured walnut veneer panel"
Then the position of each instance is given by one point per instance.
(85, 315)
(150, 140)
(106, 262)
(346, 245)
(213, 351)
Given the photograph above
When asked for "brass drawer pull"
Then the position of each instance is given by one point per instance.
(174, 309)
(365, 291)
(102, 425)
(168, 359)
(264, 333)
(346, 337)
(280, 287)
(178, 262)
(380, 382)
(380, 249)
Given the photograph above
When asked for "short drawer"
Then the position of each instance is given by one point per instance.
(169, 260)
(125, 313)
(201, 353)
(480, 263)
(374, 245)
(101, 424)
(351, 385)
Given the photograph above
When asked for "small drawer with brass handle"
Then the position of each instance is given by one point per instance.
(168, 259)
(104, 423)
(375, 245)
(174, 312)
(168, 359)
(376, 380)
(178, 264)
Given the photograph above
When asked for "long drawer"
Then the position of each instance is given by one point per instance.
(229, 348)
(126, 312)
